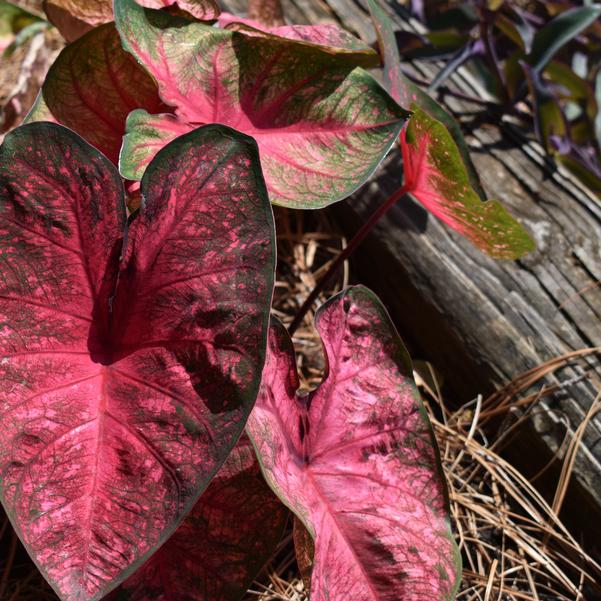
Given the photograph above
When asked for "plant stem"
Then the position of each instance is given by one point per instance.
(343, 256)
(491, 55)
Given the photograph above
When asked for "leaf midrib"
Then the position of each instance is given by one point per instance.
(328, 507)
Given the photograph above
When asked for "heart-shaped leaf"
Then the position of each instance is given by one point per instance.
(124, 382)
(436, 176)
(221, 546)
(322, 126)
(91, 88)
(356, 460)
(73, 18)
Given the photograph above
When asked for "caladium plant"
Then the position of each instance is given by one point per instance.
(132, 345)
(356, 460)
(322, 124)
(130, 353)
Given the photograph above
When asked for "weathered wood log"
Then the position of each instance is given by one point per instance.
(483, 322)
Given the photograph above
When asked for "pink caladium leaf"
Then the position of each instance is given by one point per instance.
(220, 547)
(92, 87)
(74, 18)
(436, 176)
(356, 460)
(322, 125)
(127, 370)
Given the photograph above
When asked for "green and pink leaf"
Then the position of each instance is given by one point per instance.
(146, 135)
(322, 125)
(436, 176)
(406, 93)
(437, 166)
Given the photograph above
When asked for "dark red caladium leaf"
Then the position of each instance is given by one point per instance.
(356, 460)
(91, 88)
(127, 371)
(436, 176)
(74, 18)
(321, 124)
(221, 546)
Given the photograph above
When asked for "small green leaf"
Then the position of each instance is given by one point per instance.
(145, 135)
(578, 88)
(510, 29)
(549, 119)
